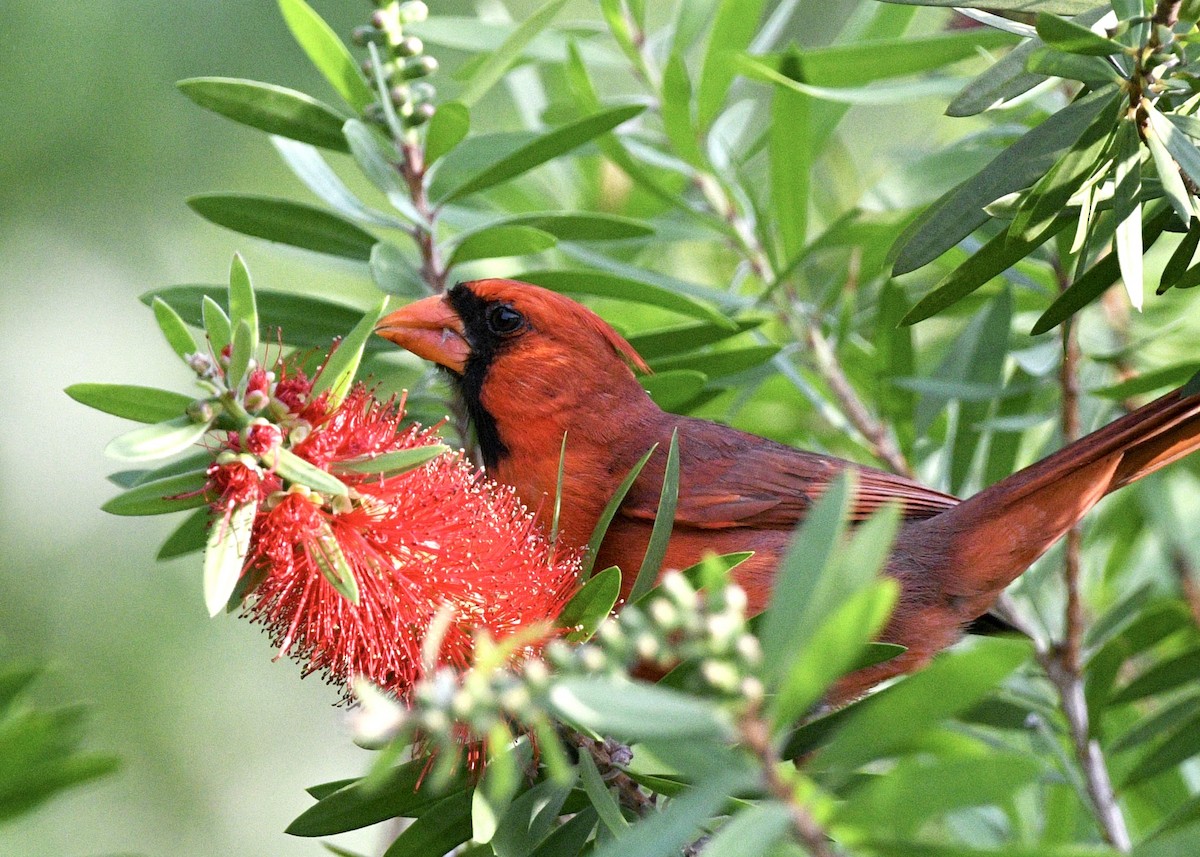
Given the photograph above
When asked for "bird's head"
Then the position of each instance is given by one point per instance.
(521, 356)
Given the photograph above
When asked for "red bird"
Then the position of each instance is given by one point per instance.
(531, 364)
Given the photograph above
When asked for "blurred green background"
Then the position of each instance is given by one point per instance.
(99, 153)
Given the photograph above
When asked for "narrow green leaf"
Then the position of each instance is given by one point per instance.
(1127, 209)
(752, 832)
(558, 490)
(985, 264)
(501, 778)
(1180, 745)
(1057, 7)
(1184, 152)
(188, 537)
(508, 53)
(544, 148)
(216, 326)
(797, 578)
(286, 222)
(353, 804)
(295, 469)
(446, 130)
(439, 830)
(1163, 676)
(959, 212)
(302, 320)
(667, 341)
(634, 711)
(894, 718)
(394, 463)
(308, 165)
(583, 226)
(1168, 170)
(377, 159)
(597, 791)
(590, 605)
(161, 496)
(733, 27)
(664, 521)
(719, 363)
(677, 112)
(984, 366)
(790, 155)
(674, 389)
(832, 649)
(603, 284)
(327, 53)
(393, 273)
(498, 242)
(534, 813)
(225, 555)
(337, 375)
(1005, 80)
(610, 510)
(270, 108)
(1075, 38)
(332, 563)
(242, 306)
(1181, 258)
(131, 402)
(157, 441)
(240, 354)
(569, 838)
(173, 328)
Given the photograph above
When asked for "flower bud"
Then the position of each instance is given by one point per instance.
(201, 364)
(752, 690)
(591, 658)
(200, 411)
(719, 674)
(677, 588)
(515, 700)
(410, 46)
(664, 614)
(749, 649)
(421, 91)
(536, 673)
(421, 113)
(413, 12)
(254, 401)
(379, 19)
(299, 432)
(421, 66)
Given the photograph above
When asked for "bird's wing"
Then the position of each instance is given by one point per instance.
(732, 479)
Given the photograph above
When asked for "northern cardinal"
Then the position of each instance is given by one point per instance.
(531, 364)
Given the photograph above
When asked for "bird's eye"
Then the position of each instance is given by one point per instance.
(503, 319)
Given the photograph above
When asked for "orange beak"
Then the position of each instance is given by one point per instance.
(429, 328)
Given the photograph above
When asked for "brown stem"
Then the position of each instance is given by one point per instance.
(756, 737)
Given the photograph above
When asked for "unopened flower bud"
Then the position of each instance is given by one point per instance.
(299, 432)
(421, 66)
(201, 364)
(379, 19)
(462, 705)
(735, 598)
(200, 411)
(434, 721)
(399, 95)
(677, 588)
(646, 646)
(365, 35)
(340, 504)
(749, 649)
(254, 401)
(421, 91)
(591, 658)
(663, 613)
(536, 673)
(719, 674)
(752, 690)
(515, 700)
(413, 12)
(410, 46)
(421, 113)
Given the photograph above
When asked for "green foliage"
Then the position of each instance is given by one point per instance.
(703, 173)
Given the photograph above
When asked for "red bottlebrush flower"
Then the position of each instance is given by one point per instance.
(440, 534)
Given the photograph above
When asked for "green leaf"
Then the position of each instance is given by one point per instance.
(799, 574)
(892, 719)
(1180, 745)
(675, 388)
(446, 130)
(161, 496)
(919, 789)
(1169, 377)
(225, 554)
(1181, 258)
(832, 648)
(377, 158)
(286, 222)
(791, 152)
(356, 804)
(242, 306)
(583, 226)
(717, 364)
(157, 441)
(1165, 675)
(439, 830)
(304, 321)
(1057, 7)
(960, 211)
(131, 402)
(497, 242)
(327, 53)
(667, 341)
(1127, 209)
(391, 464)
(308, 165)
(590, 605)
(610, 510)
(634, 711)
(295, 469)
(1099, 277)
(664, 522)
(188, 537)
(733, 27)
(1005, 80)
(1167, 168)
(493, 67)
(326, 552)
(544, 148)
(393, 273)
(337, 375)
(500, 781)
(1075, 38)
(602, 284)
(533, 815)
(239, 355)
(597, 791)
(1181, 149)
(270, 108)
(569, 838)
(752, 832)
(983, 364)
(173, 328)
(677, 112)
(216, 326)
